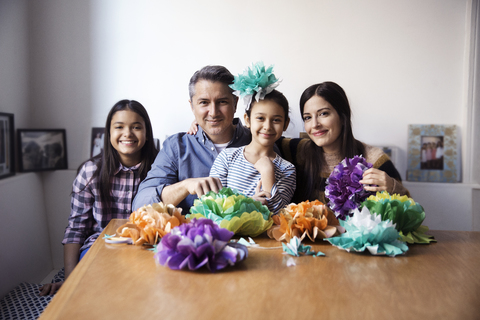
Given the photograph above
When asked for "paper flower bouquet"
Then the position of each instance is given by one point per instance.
(403, 212)
(344, 191)
(150, 223)
(366, 231)
(233, 211)
(311, 219)
(199, 243)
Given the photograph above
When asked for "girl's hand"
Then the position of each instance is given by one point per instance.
(50, 288)
(261, 195)
(377, 180)
(193, 128)
(264, 165)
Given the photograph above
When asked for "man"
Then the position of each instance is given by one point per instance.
(180, 171)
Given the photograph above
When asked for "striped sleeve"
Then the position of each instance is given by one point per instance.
(220, 167)
(284, 187)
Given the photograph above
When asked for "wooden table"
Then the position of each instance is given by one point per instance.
(436, 281)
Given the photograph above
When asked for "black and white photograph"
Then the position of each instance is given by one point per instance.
(98, 135)
(42, 149)
(7, 166)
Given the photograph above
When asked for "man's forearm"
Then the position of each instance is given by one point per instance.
(174, 193)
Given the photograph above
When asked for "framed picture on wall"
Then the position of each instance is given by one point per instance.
(42, 149)
(391, 152)
(433, 153)
(7, 153)
(98, 134)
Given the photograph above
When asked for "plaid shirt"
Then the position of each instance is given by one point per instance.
(87, 219)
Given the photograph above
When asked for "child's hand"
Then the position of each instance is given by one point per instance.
(264, 165)
(261, 195)
(193, 128)
(50, 288)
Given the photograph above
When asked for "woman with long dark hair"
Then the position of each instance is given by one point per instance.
(107, 183)
(326, 115)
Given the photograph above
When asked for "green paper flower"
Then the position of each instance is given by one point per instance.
(233, 211)
(403, 212)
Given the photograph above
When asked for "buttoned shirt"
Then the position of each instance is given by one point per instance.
(88, 217)
(184, 156)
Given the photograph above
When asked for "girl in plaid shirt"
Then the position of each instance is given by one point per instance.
(107, 183)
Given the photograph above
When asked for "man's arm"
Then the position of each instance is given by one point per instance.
(175, 193)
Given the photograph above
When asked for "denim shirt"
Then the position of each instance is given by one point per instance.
(184, 156)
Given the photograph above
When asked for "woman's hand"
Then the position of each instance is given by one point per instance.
(50, 288)
(193, 128)
(377, 180)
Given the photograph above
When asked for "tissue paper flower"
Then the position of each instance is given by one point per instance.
(311, 219)
(368, 231)
(344, 191)
(295, 247)
(149, 223)
(199, 243)
(256, 81)
(233, 211)
(404, 212)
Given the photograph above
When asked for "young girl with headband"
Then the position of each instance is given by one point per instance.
(255, 169)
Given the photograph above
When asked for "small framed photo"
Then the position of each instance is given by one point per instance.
(391, 152)
(98, 135)
(7, 153)
(433, 153)
(42, 149)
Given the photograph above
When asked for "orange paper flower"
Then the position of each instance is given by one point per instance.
(311, 219)
(150, 223)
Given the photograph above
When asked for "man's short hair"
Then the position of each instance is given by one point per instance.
(210, 73)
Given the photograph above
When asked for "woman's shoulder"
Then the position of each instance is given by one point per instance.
(292, 148)
(375, 155)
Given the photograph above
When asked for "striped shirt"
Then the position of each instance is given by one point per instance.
(235, 172)
(87, 219)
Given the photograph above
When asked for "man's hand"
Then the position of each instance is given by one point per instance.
(201, 186)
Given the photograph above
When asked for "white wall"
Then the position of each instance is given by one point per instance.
(25, 254)
(400, 62)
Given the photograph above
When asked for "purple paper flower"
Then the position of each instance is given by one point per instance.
(344, 191)
(198, 243)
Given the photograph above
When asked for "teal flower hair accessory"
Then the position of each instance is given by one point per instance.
(257, 80)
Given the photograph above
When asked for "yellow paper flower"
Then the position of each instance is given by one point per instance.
(385, 195)
(233, 211)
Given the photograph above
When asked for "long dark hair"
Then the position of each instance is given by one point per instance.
(309, 177)
(108, 160)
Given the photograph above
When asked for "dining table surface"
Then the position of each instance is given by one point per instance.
(430, 281)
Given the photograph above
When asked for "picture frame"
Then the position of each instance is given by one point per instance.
(392, 152)
(96, 146)
(42, 149)
(7, 147)
(434, 153)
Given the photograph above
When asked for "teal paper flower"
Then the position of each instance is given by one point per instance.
(295, 248)
(368, 231)
(257, 80)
